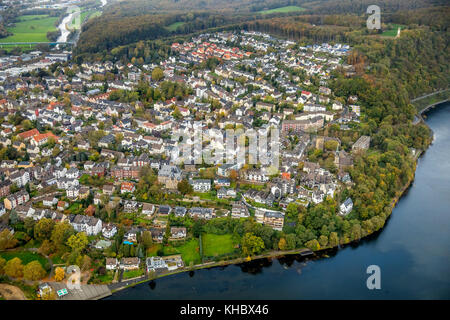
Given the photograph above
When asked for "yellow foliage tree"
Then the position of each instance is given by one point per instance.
(59, 274)
(33, 271)
(282, 244)
(14, 268)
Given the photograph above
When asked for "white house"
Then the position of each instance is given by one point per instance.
(346, 207)
(111, 263)
(201, 185)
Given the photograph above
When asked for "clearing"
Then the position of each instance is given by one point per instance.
(174, 26)
(392, 32)
(285, 9)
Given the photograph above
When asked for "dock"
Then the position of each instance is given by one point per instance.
(87, 292)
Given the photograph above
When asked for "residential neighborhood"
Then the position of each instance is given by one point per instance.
(79, 149)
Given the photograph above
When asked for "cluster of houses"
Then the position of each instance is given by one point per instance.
(246, 90)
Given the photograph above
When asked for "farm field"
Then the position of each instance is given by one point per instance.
(31, 28)
(282, 10)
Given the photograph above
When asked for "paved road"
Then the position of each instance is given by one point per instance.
(427, 95)
(118, 285)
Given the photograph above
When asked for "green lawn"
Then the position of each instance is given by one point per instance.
(25, 256)
(392, 32)
(107, 278)
(76, 208)
(215, 245)
(32, 28)
(282, 10)
(189, 251)
(174, 26)
(132, 274)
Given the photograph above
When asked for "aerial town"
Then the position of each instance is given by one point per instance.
(79, 145)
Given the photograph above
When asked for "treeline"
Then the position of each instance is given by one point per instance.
(293, 29)
(436, 17)
(104, 34)
(360, 6)
(8, 16)
(147, 94)
(135, 7)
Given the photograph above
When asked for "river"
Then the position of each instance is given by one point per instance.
(412, 251)
(67, 21)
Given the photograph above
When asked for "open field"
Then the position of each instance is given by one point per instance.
(189, 251)
(174, 26)
(392, 32)
(282, 10)
(215, 245)
(32, 28)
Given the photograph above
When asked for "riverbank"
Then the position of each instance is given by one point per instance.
(317, 255)
(428, 101)
(268, 255)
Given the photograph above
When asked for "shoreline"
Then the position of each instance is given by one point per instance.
(277, 254)
(274, 254)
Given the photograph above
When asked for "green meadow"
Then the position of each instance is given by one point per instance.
(392, 32)
(174, 26)
(282, 10)
(31, 28)
(216, 245)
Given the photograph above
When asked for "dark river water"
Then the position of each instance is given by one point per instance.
(412, 251)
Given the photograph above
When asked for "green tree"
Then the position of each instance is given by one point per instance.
(252, 244)
(14, 268)
(61, 233)
(146, 239)
(313, 245)
(47, 247)
(333, 240)
(323, 241)
(43, 229)
(78, 241)
(7, 240)
(33, 271)
(291, 241)
(157, 74)
(184, 187)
